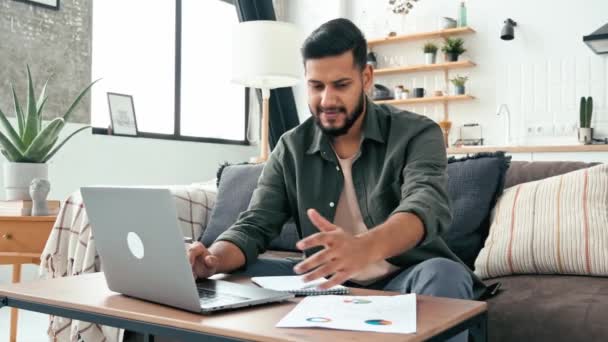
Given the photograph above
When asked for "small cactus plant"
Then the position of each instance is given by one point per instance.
(586, 112)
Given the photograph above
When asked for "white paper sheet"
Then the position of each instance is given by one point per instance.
(388, 314)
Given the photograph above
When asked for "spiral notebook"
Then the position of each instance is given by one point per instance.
(295, 285)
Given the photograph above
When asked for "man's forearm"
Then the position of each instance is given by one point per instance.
(401, 232)
(229, 255)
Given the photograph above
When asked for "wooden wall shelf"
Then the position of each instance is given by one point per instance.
(421, 36)
(428, 99)
(425, 67)
(444, 67)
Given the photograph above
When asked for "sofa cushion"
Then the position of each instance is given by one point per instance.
(554, 225)
(524, 172)
(474, 184)
(549, 308)
(235, 188)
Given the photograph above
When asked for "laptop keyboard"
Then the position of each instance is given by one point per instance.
(208, 297)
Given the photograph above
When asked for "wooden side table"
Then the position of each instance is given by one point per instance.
(22, 239)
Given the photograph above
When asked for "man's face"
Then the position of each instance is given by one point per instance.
(336, 92)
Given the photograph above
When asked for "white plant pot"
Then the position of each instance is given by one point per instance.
(430, 58)
(585, 135)
(18, 176)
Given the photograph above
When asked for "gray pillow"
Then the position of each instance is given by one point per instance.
(236, 184)
(474, 184)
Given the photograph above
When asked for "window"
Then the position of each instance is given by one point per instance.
(210, 105)
(180, 83)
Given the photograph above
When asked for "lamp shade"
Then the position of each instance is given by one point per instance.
(598, 40)
(508, 32)
(266, 54)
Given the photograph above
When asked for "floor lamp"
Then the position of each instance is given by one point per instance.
(265, 55)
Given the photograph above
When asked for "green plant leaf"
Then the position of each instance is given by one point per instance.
(39, 113)
(453, 45)
(18, 113)
(38, 156)
(581, 112)
(63, 142)
(42, 97)
(589, 110)
(82, 94)
(31, 122)
(12, 153)
(45, 137)
(11, 132)
(429, 48)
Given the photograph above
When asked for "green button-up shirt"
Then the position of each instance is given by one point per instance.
(401, 168)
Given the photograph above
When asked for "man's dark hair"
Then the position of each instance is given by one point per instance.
(334, 38)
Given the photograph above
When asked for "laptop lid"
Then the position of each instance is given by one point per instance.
(140, 244)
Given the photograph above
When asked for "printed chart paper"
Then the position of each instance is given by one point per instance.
(388, 314)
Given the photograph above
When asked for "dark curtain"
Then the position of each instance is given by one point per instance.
(283, 111)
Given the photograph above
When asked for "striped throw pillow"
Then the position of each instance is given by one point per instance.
(557, 225)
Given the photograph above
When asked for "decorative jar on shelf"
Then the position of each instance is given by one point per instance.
(398, 91)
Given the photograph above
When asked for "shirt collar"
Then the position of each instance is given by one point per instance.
(371, 129)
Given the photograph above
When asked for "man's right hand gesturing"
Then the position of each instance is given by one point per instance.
(204, 264)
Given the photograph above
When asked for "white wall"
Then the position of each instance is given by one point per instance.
(308, 15)
(540, 75)
(100, 159)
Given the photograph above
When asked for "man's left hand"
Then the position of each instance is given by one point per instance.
(344, 255)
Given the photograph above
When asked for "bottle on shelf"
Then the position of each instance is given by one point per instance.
(462, 15)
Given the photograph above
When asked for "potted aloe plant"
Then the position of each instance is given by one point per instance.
(430, 52)
(29, 147)
(585, 132)
(453, 47)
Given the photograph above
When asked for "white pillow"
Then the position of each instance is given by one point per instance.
(557, 225)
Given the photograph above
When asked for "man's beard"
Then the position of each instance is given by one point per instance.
(350, 120)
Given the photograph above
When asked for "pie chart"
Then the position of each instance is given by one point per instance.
(357, 301)
(378, 322)
(318, 319)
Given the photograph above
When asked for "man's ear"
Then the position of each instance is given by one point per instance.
(368, 78)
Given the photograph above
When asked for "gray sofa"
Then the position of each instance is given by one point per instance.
(527, 307)
(548, 307)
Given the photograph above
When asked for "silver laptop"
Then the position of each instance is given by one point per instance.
(143, 255)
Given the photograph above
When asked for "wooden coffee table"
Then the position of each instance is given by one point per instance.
(86, 297)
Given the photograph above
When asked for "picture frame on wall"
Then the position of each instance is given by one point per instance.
(51, 4)
(122, 114)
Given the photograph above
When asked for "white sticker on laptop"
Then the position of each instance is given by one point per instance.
(136, 246)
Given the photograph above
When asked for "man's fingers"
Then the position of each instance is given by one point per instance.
(205, 266)
(326, 270)
(313, 261)
(317, 239)
(320, 222)
(211, 261)
(337, 279)
(196, 249)
(202, 261)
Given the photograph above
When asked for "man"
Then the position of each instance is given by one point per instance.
(365, 184)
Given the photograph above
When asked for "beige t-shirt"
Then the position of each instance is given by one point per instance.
(348, 217)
